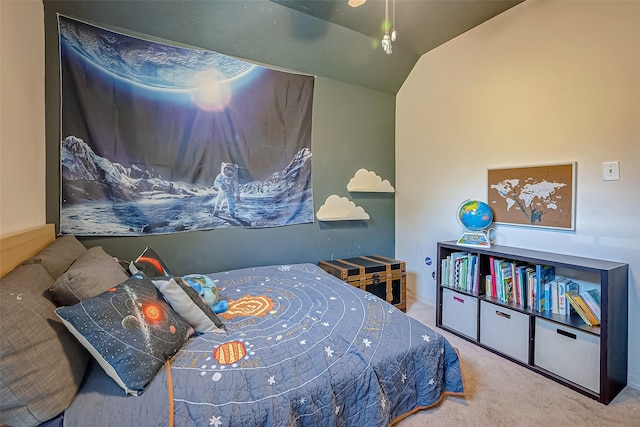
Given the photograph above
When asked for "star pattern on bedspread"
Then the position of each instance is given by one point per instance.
(324, 310)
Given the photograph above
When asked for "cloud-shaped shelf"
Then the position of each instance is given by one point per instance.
(338, 208)
(369, 181)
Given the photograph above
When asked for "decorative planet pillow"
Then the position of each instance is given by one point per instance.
(189, 304)
(129, 330)
(150, 263)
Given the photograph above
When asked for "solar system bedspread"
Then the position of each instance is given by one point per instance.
(302, 348)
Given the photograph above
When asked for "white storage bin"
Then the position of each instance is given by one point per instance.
(505, 330)
(571, 353)
(460, 312)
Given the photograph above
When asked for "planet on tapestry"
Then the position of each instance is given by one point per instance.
(475, 217)
(157, 138)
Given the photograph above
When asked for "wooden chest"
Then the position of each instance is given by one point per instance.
(384, 277)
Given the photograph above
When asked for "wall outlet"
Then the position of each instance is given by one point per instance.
(611, 171)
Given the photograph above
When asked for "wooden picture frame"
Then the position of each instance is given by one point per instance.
(534, 196)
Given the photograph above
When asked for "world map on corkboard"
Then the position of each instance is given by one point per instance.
(536, 196)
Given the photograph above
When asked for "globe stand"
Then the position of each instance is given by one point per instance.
(478, 239)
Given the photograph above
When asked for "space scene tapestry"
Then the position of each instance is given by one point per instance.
(158, 139)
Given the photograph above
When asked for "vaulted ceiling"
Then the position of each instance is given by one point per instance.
(325, 38)
(421, 25)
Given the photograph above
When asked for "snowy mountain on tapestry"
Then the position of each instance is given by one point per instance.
(160, 139)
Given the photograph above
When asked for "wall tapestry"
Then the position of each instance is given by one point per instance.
(539, 196)
(160, 139)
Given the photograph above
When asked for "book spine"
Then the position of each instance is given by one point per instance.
(487, 286)
(583, 305)
(592, 303)
(445, 270)
(547, 296)
(493, 276)
(578, 308)
(562, 299)
(554, 297)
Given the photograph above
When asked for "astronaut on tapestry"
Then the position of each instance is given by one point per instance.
(226, 183)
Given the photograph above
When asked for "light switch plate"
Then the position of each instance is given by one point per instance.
(611, 171)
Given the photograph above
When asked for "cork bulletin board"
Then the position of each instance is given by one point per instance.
(535, 196)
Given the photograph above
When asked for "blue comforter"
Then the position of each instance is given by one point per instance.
(302, 348)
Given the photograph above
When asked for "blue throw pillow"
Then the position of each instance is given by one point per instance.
(129, 330)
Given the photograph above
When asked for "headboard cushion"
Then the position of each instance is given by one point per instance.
(91, 274)
(42, 363)
(58, 255)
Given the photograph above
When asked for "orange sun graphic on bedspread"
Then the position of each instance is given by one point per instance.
(248, 305)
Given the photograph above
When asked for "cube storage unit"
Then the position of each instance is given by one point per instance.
(505, 330)
(591, 360)
(382, 276)
(460, 313)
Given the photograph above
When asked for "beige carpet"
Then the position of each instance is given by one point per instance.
(502, 393)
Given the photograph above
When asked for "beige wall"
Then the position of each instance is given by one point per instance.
(22, 130)
(545, 82)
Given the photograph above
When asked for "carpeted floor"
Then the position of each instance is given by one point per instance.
(502, 393)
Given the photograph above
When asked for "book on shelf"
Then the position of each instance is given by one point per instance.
(558, 299)
(582, 309)
(554, 297)
(522, 284)
(507, 283)
(531, 287)
(573, 288)
(487, 286)
(460, 270)
(592, 298)
(494, 291)
(563, 305)
(544, 274)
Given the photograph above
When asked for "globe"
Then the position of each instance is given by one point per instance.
(475, 215)
(204, 285)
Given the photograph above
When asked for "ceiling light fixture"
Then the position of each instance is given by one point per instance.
(388, 38)
(356, 3)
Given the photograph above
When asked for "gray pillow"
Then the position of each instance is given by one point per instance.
(90, 275)
(189, 305)
(58, 255)
(42, 364)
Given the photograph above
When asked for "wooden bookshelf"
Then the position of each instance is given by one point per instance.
(591, 360)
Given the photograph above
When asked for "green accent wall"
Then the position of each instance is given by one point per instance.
(353, 124)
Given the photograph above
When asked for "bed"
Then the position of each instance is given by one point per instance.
(296, 346)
